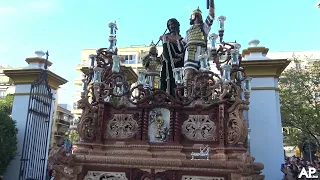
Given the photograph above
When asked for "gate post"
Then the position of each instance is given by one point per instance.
(34, 124)
(266, 141)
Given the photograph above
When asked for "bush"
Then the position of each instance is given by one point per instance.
(6, 104)
(8, 141)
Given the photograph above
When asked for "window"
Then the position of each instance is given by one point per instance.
(75, 105)
(130, 59)
(79, 89)
(298, 65)
(85, 62)
(2, 93)
(142, 54)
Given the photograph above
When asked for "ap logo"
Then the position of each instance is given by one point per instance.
(308, 174)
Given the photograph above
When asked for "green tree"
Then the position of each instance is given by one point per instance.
(6, 104)
(300, 102)
(73, 135)
(8, 141)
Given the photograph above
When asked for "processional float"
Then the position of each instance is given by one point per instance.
(132, 131)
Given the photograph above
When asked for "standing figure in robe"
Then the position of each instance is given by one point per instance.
(173, 50)
(196, 45)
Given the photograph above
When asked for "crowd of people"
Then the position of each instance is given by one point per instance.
(294, 165)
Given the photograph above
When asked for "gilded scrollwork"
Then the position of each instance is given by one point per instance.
(87, 125)
(237, 130)
(145, 133)
(199, 128)
(121, 126)
(64, 167)
(221, 125)
(58, 155)
(201, 178)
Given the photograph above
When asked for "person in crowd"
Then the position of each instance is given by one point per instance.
(294, 165)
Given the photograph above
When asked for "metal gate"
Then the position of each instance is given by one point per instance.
(34, 150)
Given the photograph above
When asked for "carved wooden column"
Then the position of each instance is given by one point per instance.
(140, 125)
(172, 125)
(145, 125)
(220, 150)
(221, 125)
(177, 127)
(100, 121)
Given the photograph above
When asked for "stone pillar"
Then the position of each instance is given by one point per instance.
(266, 141)
(23, 78)
(54, 123)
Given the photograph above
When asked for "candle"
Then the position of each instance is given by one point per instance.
(115, 63)
(235, 59)
(111, 30)
(221, 25)
(239, 76)
(221, 20)
(97, 74)
(84, 84)
(141, 77)
(226, 72)
(247, 84)
(112, 27)
(92, 58)
(203, 62)
(213, 37)
(178, 75)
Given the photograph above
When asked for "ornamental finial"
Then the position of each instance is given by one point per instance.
(152, 43)
(197, 11)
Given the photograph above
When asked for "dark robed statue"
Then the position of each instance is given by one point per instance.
(173, 50)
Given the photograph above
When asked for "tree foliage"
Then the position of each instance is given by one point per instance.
(6, 104)
(73, 136)
(300, 102)
(8, 140)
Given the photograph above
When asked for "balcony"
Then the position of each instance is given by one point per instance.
(77, 94)
(78, 82)
(80, 66)
(4, 80)
(74, 124)
(59, 135)
(76, 111)
(62, 122)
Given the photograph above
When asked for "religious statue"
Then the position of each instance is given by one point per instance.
(173, 48)
(156, 117)
(196, 45)
(152, 64)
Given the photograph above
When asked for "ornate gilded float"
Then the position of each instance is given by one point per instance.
(143, 133)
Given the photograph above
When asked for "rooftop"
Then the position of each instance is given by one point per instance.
(63, 110)
(312, 55)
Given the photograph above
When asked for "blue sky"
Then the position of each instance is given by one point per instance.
(64, 27)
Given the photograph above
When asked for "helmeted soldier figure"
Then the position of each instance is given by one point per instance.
(196, 45)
